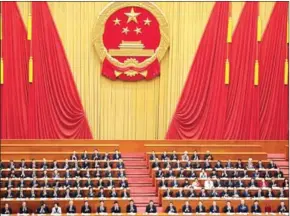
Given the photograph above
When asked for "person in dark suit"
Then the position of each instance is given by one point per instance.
(174, 156)
(279, 173)
(43, 209)
(102, 208)
(101, 193)
(86, 209)
(163, 183)
(186, 208)
(228, 208)
(123, 183)
(255, 207)
(282, 208)
(120, 164)
(117, 155)
(200, 208)
(96, 155)
(246, 193)
(71, 209)
(74, 156)
(44, 193)
(131, 208)
(153, 155)
(113, 193)
(167, 193)
(171, 208)
(272, 165)
(125, 193)
(116, 208)
(208, 155)
(9, 194)
(151, 208)
(6, 210)
(243, 208)
(23, 209)
(214, 208)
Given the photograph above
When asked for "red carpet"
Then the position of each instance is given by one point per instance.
(140, 182)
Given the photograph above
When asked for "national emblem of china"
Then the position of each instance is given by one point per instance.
(131, 38)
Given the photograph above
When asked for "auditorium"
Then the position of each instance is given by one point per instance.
(144, 108)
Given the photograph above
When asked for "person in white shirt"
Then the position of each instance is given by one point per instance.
(185, 156)
(202, 174)
(56, 210)
(208, 184)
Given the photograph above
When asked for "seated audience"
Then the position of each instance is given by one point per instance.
(171, 208)
(228, 208)
(43, 209)
(86, 209)
(116, 208)
(151, 208)
(71, 209)
(200, 208)
(23, 209)
(131, 208)
(186, 208)
(102, 208)
(56, 210)
(255, 207)
(243, 208)
(282, 208)
(6, 210)
(214, 208)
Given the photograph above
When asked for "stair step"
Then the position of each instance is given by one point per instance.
(133, 159)
(133, 163)
(140, 185)
(140, 180)
(137, 171)
(133, 155)
(138, 175)
(142, 189)
(282, 163)
(276, 156)
(145, 200)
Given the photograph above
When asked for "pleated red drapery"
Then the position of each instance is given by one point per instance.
(55, 109)
(242, 117)
(14, 90)
(200, 112)
(274, 95)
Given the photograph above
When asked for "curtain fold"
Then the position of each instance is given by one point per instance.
(55, 109)
(200, 112)
(14, 90)
(242, 116)
(274, 95)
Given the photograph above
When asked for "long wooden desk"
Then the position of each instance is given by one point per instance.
(33, 204)
(179, 202)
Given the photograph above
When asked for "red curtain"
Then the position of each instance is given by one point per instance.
(55, 109)
(274, 97)
(14, 91)
(242, 117)
(200, 112)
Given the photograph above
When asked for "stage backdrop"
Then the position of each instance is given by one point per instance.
(138, 110)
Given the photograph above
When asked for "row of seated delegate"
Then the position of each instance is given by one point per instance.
(56, 174)
(223, 173)
(222, 182)
(27, 193)
(66, 164)
(86, 208)
(207, 164)
(224, 193)
(67, 182)
(227, 208)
